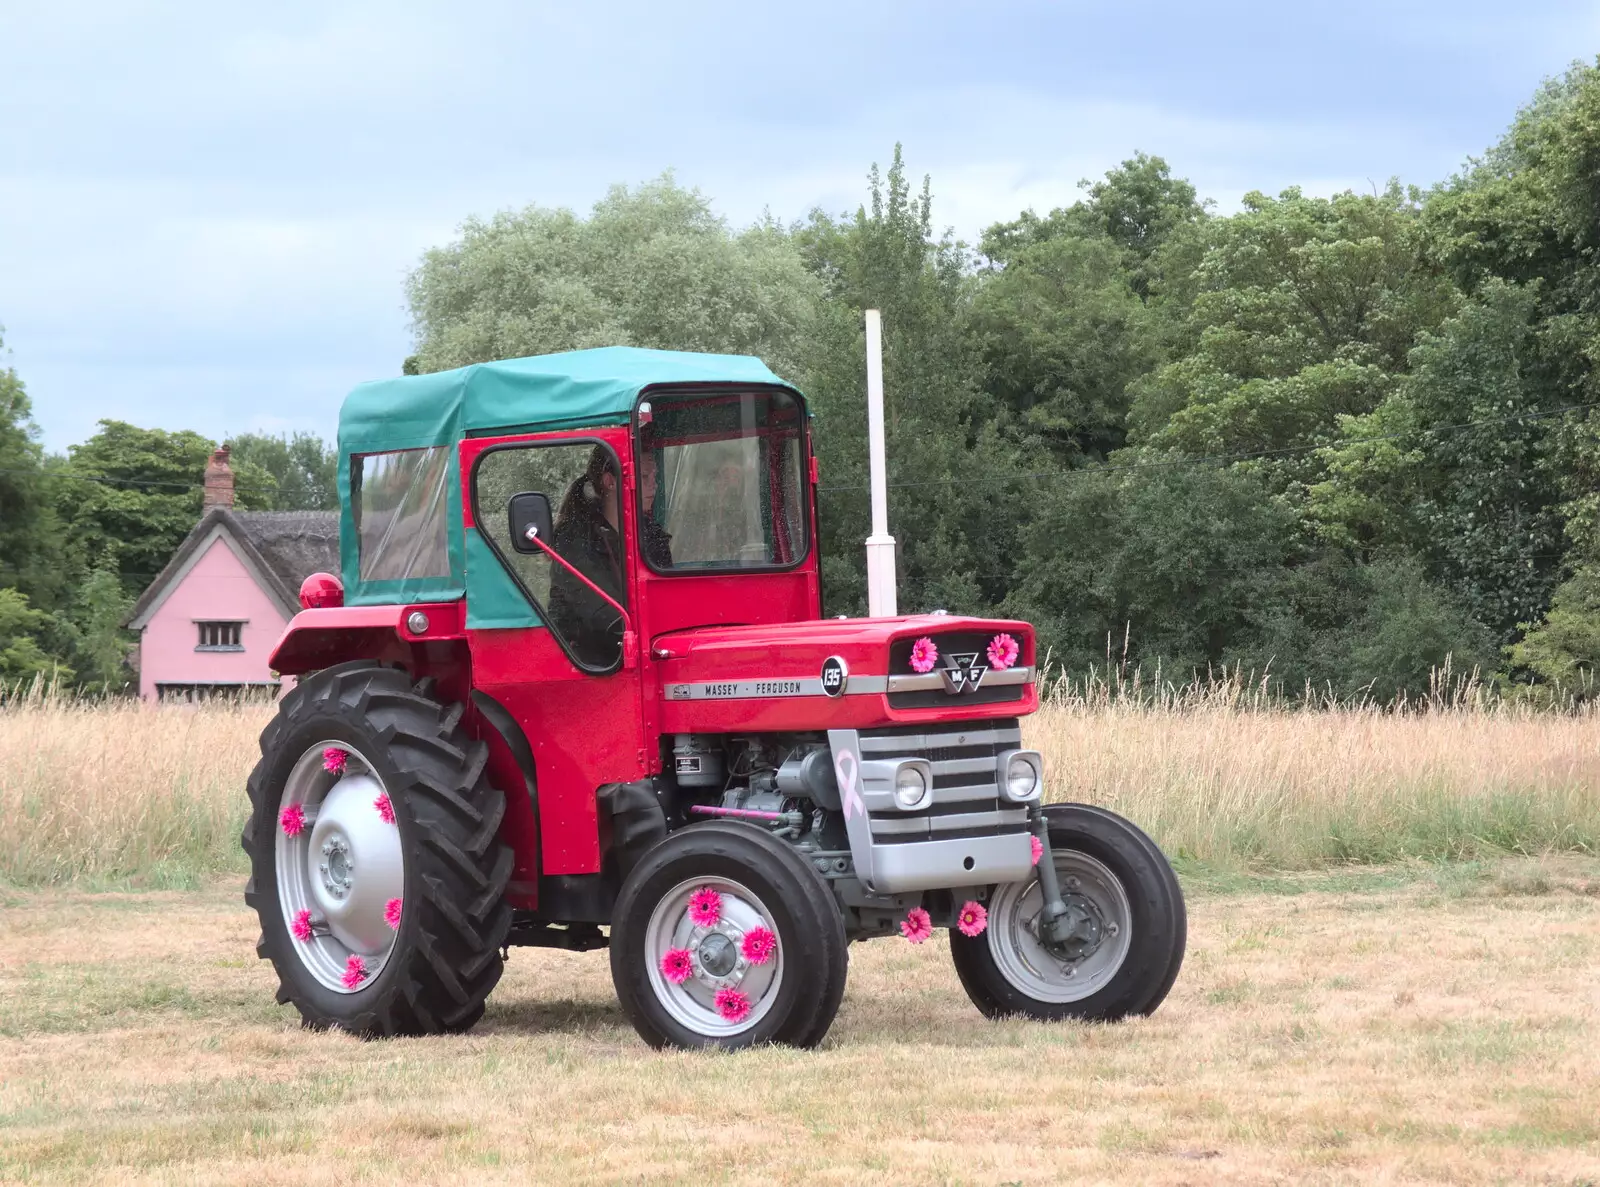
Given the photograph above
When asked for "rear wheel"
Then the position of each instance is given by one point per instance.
(376, 870)
(724, 937)
(1129, 934)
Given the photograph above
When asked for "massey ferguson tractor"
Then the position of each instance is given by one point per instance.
(573, 688)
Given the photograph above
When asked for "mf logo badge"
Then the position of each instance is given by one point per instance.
(962, 673)
(835, 675)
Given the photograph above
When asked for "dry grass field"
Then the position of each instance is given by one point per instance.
(122, 794)
(1393, 976)
(1400, 1026)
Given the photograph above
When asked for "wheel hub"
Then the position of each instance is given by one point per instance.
(336, 867)
(718, 954)
(718, 961)
(1085, 929)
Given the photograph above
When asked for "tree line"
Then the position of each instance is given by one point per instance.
(83, 534)
(1338, 442)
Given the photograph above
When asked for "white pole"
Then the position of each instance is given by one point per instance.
(881, 599)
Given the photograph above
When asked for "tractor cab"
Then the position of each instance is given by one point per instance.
(575, 662)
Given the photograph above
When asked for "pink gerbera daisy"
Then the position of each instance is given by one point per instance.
(732, 1005)
(917, 925)
(972, 919)
(758, 945)
(1003, 652)
(293, 820)
(1038, 849)
(355, 971)
(705, 907)
(677, 966)
(924, 655)
(333, 759)
(391, 914)
(301, 927)
(385, 807)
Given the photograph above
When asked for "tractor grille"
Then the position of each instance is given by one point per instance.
(966, 790)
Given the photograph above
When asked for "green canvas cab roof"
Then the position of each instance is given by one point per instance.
(575, 389)
(400, 519)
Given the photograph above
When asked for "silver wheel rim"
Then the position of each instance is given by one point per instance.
(1049, 975)
(340, 871)
(692, 1003)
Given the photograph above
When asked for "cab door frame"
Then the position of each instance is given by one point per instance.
(585, 729)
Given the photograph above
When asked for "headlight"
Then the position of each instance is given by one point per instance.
(1021, 776)
(911, 788)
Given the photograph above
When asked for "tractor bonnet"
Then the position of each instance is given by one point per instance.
(413, 538)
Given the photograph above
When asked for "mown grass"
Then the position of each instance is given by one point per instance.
(120, 794)
(1428, 1024)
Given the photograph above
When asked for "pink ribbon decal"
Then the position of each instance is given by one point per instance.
(845, 767)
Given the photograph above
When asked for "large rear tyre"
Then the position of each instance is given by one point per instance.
(376, 871)
(1129, 945)
(723, 936)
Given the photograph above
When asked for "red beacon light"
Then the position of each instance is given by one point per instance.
(321, 591)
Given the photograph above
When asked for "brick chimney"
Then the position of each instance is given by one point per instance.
(219, 481)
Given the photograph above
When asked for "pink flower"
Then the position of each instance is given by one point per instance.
(973, 919)
(1038, 849)
(924, 655)
(293, 820)
(677, 966)
(333, 759)
(732, 1005)
(301, 927)
(391, 914)
(758, 945)
(385, 807)
(355, 971)
(916, 926)
(1003, 652)
(705, 907)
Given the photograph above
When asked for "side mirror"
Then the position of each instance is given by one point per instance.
(530, 518)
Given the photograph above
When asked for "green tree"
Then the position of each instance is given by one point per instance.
(128, 496)
(1063, 333)
(1466, 480)
(99, 644)
(24, 633)
(296, 473)
(651, 266)
(30, 537)
(1185, 563)
(1304, 311)
(955, 506)
(1563, 650)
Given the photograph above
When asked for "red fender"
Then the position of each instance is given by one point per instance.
(319, 638)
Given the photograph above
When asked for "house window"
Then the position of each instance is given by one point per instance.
(220, 636)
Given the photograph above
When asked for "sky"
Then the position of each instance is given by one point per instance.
(208, 210)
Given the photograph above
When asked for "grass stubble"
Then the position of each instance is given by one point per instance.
(1392, 1026)
(1424, 1020)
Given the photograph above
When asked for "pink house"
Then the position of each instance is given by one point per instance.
(208, 622)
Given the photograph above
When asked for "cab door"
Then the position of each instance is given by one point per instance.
(561, 659)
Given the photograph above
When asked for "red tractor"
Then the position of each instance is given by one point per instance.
(574, 689)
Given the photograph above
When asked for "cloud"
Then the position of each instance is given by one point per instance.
(207, 211)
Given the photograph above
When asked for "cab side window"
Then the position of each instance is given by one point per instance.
(581, 482)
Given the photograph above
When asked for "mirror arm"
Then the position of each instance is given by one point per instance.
(627, 620)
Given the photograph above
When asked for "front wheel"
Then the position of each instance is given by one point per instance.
(725, 937)
(1129, 932)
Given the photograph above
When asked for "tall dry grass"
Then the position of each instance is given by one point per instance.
(107, 790)
(1230, 773)
(1224, 773)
